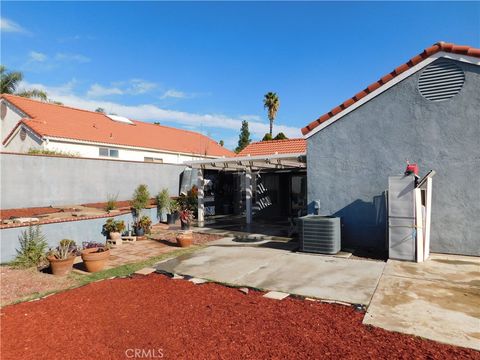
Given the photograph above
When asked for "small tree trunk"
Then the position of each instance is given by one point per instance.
(271, 126)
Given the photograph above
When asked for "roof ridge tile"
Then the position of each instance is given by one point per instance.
(431, 50)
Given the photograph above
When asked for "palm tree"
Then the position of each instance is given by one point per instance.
(272, 103)
(9, 82)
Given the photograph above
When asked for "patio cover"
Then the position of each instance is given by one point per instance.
(247, 164)
(252, 163)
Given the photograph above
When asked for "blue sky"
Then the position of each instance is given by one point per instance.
(206, 66)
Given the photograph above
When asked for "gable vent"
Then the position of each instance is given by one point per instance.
(441, 80)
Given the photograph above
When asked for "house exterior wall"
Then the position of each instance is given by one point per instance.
(34, 180)
(9, 117)
(349, 163)
(16, 144)
(92, 151)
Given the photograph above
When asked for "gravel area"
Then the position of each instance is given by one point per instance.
(16, 284)
(154, 314)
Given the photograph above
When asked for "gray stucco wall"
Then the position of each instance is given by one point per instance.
(29, 181)
(80, 231)
(349, 163)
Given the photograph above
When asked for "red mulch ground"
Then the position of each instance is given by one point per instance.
(28, 212)
(185, 321)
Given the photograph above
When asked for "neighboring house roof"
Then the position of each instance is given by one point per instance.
(271, 147)
(58, 121)
(438, 47)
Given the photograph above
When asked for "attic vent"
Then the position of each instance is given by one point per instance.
(121, 119)
(441, 80)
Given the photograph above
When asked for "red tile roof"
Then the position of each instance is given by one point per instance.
(66, 122)
(288, 146)
(441, 46)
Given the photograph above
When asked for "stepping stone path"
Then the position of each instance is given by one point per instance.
(145, 271)
(276, 295)
(198, 281)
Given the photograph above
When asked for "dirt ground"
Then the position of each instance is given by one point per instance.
(175, 319)
(16, 284)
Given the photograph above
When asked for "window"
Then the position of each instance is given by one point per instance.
(152, 159)
(106, 152)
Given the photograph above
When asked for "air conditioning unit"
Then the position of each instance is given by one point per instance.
(319, 234)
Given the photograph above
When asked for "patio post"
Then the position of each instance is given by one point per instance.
(201, 205)
(248, 195)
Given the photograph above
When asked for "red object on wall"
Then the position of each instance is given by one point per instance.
(412, 168)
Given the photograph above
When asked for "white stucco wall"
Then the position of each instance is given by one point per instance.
(16, 144)
(92, 151)
(9, 117)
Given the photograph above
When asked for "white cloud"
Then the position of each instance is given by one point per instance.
(250, 117)
(149, 112)
(72, 57)
(7, 25)
(131, 87)
(173, 94)
(97, 90)
(139, 86)
(37, 56)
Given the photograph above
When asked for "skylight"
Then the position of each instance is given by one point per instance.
(121, 119)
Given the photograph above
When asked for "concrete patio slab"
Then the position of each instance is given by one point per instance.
(272, 268)
(438, 299)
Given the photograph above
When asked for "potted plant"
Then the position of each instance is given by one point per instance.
(95, 256)
(113, 229)
(163, 204)
(174, 207)
(186, 218)
(62, 257)
(140, 199)
(143, 226)
(184, 239)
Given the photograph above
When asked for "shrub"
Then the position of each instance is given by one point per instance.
(190, 200)
(174, 206)
(186, 216)
(111, 202)
(163, 200)
(144, 223)
(112, 225)
(92, 244)
(34, 151)
(65, 249)
(33, 247)
(140, 198)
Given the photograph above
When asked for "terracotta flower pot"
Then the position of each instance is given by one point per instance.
(185, 240)
(115, 236)
(95, 261)
(61, 267)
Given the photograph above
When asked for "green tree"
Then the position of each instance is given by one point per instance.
(221, 142)
(100, 110)
(271, 102)
(280, 136)
(267, 137)
(244, 137)
(9, 81)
